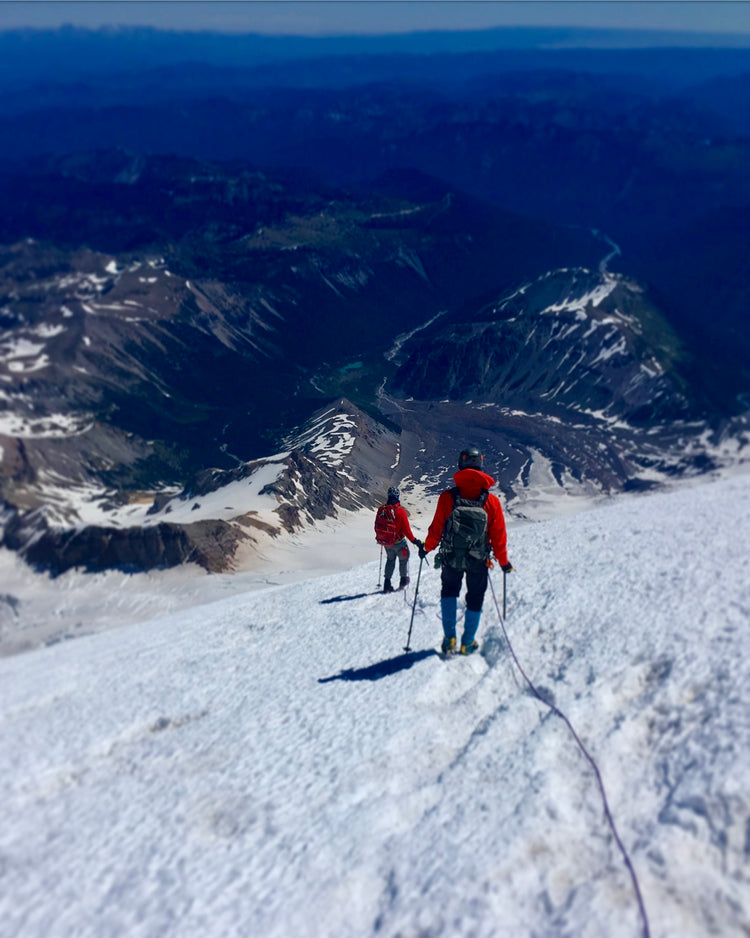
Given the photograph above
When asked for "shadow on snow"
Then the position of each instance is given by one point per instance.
(382, 669)
(343, 599)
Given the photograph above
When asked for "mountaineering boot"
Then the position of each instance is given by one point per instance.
(387, 587)
(448, 613)
(449, 646)
(404, 582)
(469, 649)
(471, 624)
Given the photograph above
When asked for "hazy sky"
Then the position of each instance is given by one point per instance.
(308, 17)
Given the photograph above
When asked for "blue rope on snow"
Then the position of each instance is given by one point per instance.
(592, 763)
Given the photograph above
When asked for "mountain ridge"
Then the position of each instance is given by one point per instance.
(574, 374)
(215, 307)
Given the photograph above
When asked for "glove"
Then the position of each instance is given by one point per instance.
(507, 568)
(490, 563)
(420, 548)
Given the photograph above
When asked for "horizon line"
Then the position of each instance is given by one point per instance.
(654, 31)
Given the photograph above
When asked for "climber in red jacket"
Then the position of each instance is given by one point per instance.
(392, 531)
(468, 526)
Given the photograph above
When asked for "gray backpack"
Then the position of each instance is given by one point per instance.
(465, 541)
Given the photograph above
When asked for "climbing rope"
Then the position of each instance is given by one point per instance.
(592, 763)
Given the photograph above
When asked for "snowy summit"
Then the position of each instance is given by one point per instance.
(275, 764)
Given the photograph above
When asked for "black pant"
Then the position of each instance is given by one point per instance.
(476, 584)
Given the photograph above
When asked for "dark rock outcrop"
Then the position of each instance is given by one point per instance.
(211, 544)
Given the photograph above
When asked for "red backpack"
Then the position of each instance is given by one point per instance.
(385, 525)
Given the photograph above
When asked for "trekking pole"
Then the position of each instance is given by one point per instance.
(505, 577)
(414, 606)
(381, 564)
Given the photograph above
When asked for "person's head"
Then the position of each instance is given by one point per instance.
(393, 495)
(470, 458)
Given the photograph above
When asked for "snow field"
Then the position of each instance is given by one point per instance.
(44, 610)
(275, 764)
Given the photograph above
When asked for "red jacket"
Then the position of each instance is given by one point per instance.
(403, 528)
(470, 483)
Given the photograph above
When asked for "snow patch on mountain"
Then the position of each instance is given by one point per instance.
(579, 303)
(249, 495)
(51, 426)
(69, 503)
(19, 347)
(329, 436)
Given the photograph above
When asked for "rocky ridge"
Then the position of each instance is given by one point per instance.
(244, 304)
(338, 462)
(573, 384)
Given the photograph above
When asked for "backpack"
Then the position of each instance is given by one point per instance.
(465, 541)
(385, 525)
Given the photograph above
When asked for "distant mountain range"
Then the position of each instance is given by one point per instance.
(29, 56)
(549, 259)
(650, 146)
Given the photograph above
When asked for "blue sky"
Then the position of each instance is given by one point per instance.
(311, 17)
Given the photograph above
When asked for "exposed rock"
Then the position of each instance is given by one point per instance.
(211, 544)
(250, 521)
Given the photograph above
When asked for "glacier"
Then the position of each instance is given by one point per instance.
(273, 763)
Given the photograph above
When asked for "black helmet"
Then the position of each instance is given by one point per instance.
(470, 458)
(393, 495)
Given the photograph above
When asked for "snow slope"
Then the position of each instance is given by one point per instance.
(36, 609)
(276, 765)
